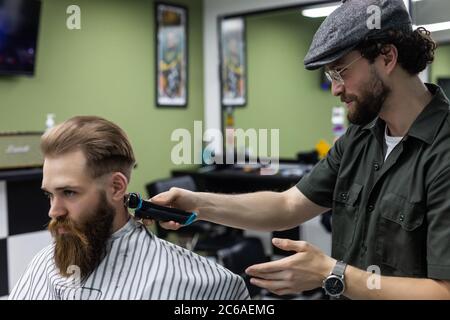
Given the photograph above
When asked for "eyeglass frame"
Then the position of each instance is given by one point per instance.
(334, 75)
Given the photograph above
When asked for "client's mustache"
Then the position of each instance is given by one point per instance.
(69, 226)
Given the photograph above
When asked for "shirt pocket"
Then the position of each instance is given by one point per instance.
(401, 235)
(345, 215)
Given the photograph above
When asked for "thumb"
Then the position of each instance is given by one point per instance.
(288, 245)
(163, 198)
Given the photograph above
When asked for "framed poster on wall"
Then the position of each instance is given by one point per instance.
(233, 62)
(171, 55)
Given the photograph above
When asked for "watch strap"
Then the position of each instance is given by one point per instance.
(339, 269)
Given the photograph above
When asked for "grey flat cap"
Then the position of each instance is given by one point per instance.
(350, 24)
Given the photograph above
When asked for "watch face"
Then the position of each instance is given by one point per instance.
(334, 285)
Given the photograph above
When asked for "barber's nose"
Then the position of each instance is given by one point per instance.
(57, 209)
(337, 88)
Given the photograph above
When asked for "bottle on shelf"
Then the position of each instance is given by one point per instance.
(50, 122)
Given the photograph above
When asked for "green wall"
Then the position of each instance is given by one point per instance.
(441, 64)
(281, 93)
(106, 69)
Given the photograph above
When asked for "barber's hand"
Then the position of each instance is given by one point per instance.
(176, 198)
(305, 270)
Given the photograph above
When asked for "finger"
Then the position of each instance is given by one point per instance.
(163, 198)
(170, 225)
(269, 284)
(279, 275)
(147, 222)
(285, 291)
(272, 266)
(290, 245)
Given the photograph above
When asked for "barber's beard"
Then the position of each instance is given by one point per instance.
(368, 106)
(83, 245)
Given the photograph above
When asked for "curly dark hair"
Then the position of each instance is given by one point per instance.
(415, 48)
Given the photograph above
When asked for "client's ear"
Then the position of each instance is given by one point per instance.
(118, 186)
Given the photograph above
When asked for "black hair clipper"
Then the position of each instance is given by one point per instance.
(148, 210)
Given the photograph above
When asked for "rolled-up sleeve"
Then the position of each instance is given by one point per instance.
(438, 233)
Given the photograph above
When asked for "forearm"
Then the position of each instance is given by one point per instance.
(358, 283)
(263, 211)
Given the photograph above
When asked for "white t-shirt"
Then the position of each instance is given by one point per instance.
(138, 265)
(391, 142)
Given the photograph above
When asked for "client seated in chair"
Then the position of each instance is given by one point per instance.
(99, 250)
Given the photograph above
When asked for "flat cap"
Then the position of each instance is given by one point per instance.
(351, 23)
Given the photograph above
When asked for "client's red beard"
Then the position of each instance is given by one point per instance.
(82, 244)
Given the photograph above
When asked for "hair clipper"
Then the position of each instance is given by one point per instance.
(148, 210)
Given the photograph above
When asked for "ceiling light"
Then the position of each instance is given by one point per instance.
(318, 12)
(436, 26)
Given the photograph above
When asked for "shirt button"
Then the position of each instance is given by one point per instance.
(344, 196)
(370, 208)
(376, 166)
(402, 217)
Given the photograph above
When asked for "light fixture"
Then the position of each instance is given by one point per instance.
(318, 12)
(433, 27)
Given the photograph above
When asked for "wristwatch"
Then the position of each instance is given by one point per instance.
(334, 284)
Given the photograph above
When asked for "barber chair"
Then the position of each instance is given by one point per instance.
(248, 251)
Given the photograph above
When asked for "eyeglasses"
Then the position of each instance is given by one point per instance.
(334, 75)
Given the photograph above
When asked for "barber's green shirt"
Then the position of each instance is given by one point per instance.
(394, 214)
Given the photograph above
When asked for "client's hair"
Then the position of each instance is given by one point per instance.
(104, 144)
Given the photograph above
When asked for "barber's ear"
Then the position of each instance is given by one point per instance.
(390, 58)
(118, 186)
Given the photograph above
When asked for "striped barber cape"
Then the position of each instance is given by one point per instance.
(138, 265)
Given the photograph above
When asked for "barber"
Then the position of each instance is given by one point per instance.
(387, 180)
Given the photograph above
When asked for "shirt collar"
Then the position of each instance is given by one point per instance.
(427, 124)
(429, 121)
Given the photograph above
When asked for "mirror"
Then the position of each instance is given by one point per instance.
(281, 93)
(434, 16)
(440, 69)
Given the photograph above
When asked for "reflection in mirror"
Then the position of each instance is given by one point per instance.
(281, 93)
